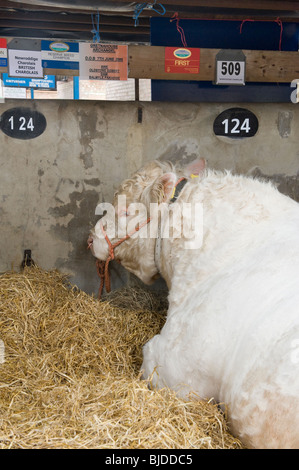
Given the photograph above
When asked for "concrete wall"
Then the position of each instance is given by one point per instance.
(50, 185)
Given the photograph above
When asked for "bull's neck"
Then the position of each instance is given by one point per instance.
(165, 266)
(164, 261)
(171, 236)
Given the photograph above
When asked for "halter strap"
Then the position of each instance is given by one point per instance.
(175, 194)
(178, 188)
(102, 266)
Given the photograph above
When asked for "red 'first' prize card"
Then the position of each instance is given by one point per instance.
(182, 59)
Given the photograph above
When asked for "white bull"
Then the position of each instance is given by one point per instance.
(232, 328)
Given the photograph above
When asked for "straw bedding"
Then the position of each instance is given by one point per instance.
(69, 376)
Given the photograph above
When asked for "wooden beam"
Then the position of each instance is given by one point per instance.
(39, 25)
(282, 5)
(83, 18)
(243, 4)
(237, 14)
(261, 66)
(176, 5)
(67, 73)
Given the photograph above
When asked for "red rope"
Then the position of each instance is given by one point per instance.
(180, 29)
(101, 265)
(278, 21)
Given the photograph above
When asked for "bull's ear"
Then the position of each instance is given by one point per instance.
(196, 167)
(162, 188)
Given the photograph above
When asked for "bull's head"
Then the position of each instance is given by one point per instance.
(127, 232)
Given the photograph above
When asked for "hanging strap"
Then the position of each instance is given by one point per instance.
(95, 27)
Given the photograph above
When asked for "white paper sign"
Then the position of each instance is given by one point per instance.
(10, 92)
(230, 72)
(103, 61)
(1, 91)
(230, 67)
(25, 63)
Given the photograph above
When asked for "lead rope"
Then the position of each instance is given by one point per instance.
(100, 265)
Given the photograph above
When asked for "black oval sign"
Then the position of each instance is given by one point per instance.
(236, 123)
(23, 123)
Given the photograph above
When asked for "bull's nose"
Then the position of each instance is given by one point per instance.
(89, 241)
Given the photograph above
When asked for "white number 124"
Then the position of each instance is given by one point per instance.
(237, 127)
(22, 123)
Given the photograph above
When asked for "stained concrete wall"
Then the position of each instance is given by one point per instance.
(51, 185)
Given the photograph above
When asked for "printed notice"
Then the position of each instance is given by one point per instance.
(182, 60)
(49, 81)
(25, 63)
(103, 61)
(230, 67)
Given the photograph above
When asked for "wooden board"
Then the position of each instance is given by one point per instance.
(261, 66)
(149, 62)
(67, 73)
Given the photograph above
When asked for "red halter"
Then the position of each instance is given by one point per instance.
(102, 266)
